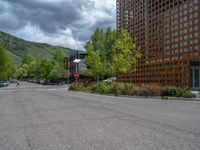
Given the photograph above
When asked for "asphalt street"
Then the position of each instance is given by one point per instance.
(35, 117)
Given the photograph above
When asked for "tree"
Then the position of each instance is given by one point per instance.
(59, 56)
(6, 65)
(93, 62)
(109, 43)
(97, 40)
(127, 54)
(109, 49)
(103, 43)
(35, 67)
(27, 59)
(58, 72)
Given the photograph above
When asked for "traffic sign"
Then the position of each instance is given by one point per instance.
(76, 75)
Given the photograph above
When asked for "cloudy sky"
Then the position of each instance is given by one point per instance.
(66, 23)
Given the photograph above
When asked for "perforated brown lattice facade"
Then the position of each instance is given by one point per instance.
(167, 32)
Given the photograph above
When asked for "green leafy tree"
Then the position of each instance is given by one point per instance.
(27, 59)
(59, 56)
(126, 55)
(103, 43)
(39, 67)
(22, 71)
(93, 62)
(109, 43)
(97, 40)
(6, 65)
(58, 72)
(109, 50)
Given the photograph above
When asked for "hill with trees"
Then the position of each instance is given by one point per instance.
(18, 48)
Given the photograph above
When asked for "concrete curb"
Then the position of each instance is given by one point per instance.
(144, 97)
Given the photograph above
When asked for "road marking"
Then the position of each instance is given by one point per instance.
(39, 89)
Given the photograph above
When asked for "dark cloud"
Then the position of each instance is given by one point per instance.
(52, 17)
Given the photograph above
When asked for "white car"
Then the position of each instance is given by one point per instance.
(111, 79)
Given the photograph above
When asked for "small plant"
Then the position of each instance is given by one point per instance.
(175, 92)
(102, 88)
(75, 86)
(129, 89)
(187, 94)
(117, 88)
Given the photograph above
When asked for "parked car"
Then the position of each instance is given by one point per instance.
(111, 79)
(4, 83)
(12, 81)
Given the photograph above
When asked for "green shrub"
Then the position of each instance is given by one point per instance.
(175, 92)
(79, 87)
(75, 86)
(129, 89)
(102, 88)
(117, 88)
(187, 94)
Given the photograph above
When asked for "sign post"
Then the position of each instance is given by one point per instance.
(76, 74)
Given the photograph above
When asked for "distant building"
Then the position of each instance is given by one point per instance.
(168, 33)
(72, 66)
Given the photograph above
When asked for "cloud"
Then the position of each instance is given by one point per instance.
(66, 23)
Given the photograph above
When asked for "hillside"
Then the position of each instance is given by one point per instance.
(17, 47)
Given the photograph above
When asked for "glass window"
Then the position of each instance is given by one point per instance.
(196, 47)
(185, 31)
(196, 34)
(191, 16)
(185, 18)
(196, 41)
(196, 14)
(185, 43)
(196, 78)
(185, 12)
(196, 28)
(181, 26)
(191, 35)
(185, 6)
(190, 10)
(185, 37)
(185, 24)
(196, 8)
(196, 21)
(191, 22)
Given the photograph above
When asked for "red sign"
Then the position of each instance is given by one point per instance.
(76, 75)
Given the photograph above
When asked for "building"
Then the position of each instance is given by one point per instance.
(167, 32)
(73, 66)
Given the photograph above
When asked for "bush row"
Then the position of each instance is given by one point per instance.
(176, 92)
(119, 88)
